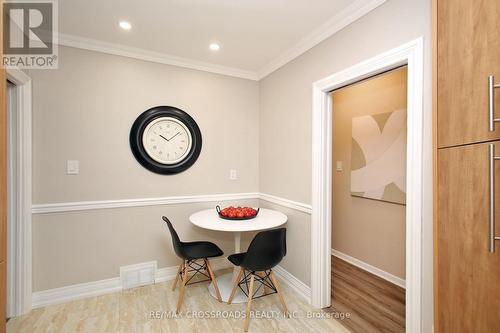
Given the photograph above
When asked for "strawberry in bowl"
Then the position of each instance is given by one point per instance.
(237, 213)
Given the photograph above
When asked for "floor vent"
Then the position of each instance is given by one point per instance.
(138, 275)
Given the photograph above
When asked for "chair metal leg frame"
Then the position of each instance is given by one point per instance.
(197, 268)
(267, 280)
(264, 281)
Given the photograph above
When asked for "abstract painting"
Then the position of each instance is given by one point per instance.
(378, 157)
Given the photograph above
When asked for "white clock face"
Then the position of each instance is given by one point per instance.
(167, 140)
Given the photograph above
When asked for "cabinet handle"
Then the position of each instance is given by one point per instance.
(492, 238)
(491, 101)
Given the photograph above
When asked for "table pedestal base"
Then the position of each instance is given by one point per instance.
(225, 284)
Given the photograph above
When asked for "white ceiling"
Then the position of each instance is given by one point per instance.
(253, 34)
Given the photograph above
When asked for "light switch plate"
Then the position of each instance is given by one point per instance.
(72, 167)
(339, 168)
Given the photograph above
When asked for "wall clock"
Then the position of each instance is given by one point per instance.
(165, 140)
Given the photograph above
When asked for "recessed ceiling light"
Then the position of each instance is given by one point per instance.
(125, 25)
(214, 47)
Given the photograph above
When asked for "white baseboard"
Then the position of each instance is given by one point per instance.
(298, 286)
(107, 286)
(74, 292)
(371, 269)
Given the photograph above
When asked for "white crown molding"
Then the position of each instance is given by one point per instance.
(352, 13)
(305, 208)
(142, 54)
(107, 286)
(370, 269)
(63, 207)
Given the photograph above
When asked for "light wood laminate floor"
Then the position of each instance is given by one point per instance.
(375, 304)
(130, 311)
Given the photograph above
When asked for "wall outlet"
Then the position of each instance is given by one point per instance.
(233, 174)
(72, 167)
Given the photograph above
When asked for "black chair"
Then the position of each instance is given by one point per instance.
(191, 253)
(266, 250)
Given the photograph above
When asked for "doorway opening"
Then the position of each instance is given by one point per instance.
(369, 202)
(410, 54)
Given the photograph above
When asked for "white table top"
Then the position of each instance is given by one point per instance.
(266, 219)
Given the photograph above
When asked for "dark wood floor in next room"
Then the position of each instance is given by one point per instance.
(374, 304)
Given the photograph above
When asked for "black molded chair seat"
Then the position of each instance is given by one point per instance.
(237, 258)
(191, 254)
(192, 250)
(266, 250)
(200, 250)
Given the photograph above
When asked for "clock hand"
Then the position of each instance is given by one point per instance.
(174, 136)
(164, 137)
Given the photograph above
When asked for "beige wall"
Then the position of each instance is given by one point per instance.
(285, 111)
(372, 231)
(78, 247)
(298, 233)
(271, 148)
(84, 111)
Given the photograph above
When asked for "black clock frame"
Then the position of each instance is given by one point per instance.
(137, 131)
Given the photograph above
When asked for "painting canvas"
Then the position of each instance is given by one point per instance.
(378, 157)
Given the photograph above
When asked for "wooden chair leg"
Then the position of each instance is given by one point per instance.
(235, 286)
(185, 275)
(214, 280)
(181, 265)
(262, 276)
(249, 304)
(280, 294)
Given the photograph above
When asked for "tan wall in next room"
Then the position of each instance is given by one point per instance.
(372, 231)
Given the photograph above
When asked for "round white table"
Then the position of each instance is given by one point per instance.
(209, 219)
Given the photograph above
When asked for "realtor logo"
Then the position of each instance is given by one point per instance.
(29, 34)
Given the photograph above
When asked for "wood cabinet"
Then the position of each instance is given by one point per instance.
(3, 295)
(469, 274)
(468, 51)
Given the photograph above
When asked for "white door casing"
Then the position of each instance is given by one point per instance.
(410, 54)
